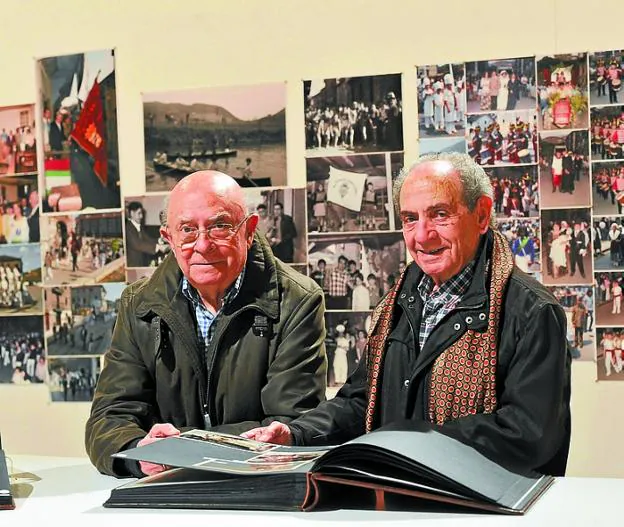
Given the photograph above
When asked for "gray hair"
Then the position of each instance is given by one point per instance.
(162, 215)
(475, 181)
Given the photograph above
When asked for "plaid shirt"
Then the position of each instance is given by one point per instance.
(337, 283)
(437, 304)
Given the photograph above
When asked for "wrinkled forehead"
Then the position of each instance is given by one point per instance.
(437, 180)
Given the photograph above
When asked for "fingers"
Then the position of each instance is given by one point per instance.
(149, 469)
(163, 430)
(253, 433)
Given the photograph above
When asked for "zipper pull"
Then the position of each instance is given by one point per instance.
(207, 422)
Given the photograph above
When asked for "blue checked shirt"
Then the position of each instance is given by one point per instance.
(437, 304)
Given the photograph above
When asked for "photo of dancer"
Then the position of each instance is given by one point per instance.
(610, 357)
(350, 115)
(22, 356)
(73, 379)
(441, 100)
(524, 240)
(578, 304)
(567, 247)
(607, 188)
(607, 131)
(564, 169)
(508, 138)
(608, 238)
(351, 193)
(19, 209)
(356, 270)
(516, 192)
(501, 85)
(145, 247)
(608, 287)
(18, 141)
(20, 279)
(82, 249)
(282, 220)
(442, 144)
(605, 77)
(562, 91)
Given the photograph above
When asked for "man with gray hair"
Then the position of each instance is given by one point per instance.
(465, 340)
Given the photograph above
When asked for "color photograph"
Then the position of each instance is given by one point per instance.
(608, 188)
(605, 77)
(73, 379)
(18, 141)
(22, 356)
(20, 279)
(610, 359)
(132, 275)
(19, 209)
(516, 193)
(607, 234)
(442, 144)
(525, 242)
(578, 304)
(607, 129)
(608, 288)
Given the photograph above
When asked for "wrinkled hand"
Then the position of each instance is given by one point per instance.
(276, 432)
(157, 432)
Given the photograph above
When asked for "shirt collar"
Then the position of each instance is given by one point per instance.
(193, 296)
(456, 286)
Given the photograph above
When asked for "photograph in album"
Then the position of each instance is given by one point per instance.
(72, 379)
(607, 187)
(18, 140)
(610, 360)
(607, 128)
(78, 131)
(516, 192)
(22, 354)
(238, 130)
(351, 115)
(524, 239)
(20, 279)
(605, 77)
(19, 209)
(144, 216)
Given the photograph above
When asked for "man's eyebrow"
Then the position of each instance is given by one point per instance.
(435, 206)
(214, 219)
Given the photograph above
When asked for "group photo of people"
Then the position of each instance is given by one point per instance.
(567, 254)
(441, 100)
(18, 141)
(607, 132)
(508, 138)
(608, 241)
(73, 379)
(516, 192)
(607, 188)
(353, 115)
(20, 279)
(19, 209)
(562, 91)
(355, 271)
(578, 304)
(22, 355)
(605, 77)
(525, 242)
(145, 247)
(610, 357)
(608, 287)
(564, 169)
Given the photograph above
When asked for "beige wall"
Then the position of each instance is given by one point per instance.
(197, 43)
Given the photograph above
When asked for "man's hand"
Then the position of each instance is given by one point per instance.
(276, 432)
(157, 432)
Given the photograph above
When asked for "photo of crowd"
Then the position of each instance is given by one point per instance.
(578, 304)
(564, 169)
(442, 144)
(608, 288)
(607, 132)
(608, 237)
(20, 279)
(516, 193)
(508, 138)
(19, 209)
(73, 379)
(562, 91)
(145, 247)
(353, 114)
(607, 188)
(605, 77)
(610, 357)
(524, 240)
(441, 100)
(18, 141)
(22, 356)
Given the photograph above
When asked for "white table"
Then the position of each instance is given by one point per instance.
(69, 491)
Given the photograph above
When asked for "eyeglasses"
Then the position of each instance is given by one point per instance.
(219, 232)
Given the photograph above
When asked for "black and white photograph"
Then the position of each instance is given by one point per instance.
(608, 287)
(608, 243)
(73, 379)
(18, 140)
(22, 356)
(524, 240)
(82, 249)
(607, 188)
(567, 247)
(145, 247)
(508, 138)
(20, 279)
(80, 320)
(19, 209)
(501, 85)
(516, 192)
(578, 304)
(282, 220)
(238, 130)
(441, 100)
(564, 169)
(350, 115)
(351, 193)
(356, 270)
(607, 131)
(562, 91)
(605, 77)
(610, 358)
(442, 144)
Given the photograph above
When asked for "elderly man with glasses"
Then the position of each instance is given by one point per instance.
(223, 336)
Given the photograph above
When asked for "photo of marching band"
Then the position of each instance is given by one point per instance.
(605, 77)
(607, 130)
(516, 192)
(22, 355)
(608, 188)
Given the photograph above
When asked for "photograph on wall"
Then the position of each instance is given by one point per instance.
(508, 138)
(607, 129)
(22, 356)
(73, 379)
(351, 193)
(350, 115)
(20, 279)
(524, 240)
(564, 169)
(19, 209)
(562, 91)
(82, 249)
(441, 100)
(610, 358)
(578, 304)
(501, 85)
(238, 130)
(605, 77)
(516, 193)
(79, 131)
(608, 187)
(567, 247)
(18, 141)
(608, 237)
(355, 270)
(80, 320)
(145, 247)
(282, 220)
(134, 274)
(442, 144)
(608, 287)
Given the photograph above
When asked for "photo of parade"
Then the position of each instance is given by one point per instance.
(18, 141)
(608, 237)
(610, 355)
(79, 131)
(350, 115)
(608, 188)
(145, 247)
(578, 304)
(605, 77)
(20, 279)
(607, 131)
(524, 240)
(564, 169)
(22, 356)
(73, 379)
(608, 288)
(442, 144)
(441, 100)
(562, 91)
(19, 209)
(516, 193)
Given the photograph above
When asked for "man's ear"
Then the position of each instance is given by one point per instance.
(164, 232)
(252, 224)
(484, 213)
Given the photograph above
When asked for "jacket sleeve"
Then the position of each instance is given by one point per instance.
(532, 420)
(123, 404)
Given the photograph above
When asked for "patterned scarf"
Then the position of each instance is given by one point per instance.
(463, 377)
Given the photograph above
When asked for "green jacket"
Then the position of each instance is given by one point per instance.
(154, 371)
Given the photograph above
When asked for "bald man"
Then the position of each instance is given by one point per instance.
(223, 336)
